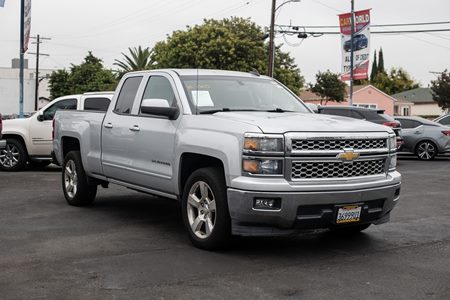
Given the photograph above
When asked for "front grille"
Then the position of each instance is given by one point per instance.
(336, 169)
(337, 144)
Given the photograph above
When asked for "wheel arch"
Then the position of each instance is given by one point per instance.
(16, 136)
(189, 162)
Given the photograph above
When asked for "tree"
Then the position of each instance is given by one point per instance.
(374, 71)
(228, 44)
(329, 87)
(137, 60)
(398, 80)
(380, 67)
(89, 76)
(440, 89)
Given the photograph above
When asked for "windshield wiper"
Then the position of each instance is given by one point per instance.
(278, 110)
(213, 111)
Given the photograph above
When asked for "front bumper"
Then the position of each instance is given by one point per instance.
(2, 144)
(308, 209)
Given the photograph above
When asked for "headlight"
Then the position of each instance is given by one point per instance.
(263, 143)
(393, 162)
(392, 143)
(261, 166)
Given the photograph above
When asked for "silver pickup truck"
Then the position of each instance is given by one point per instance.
(242, 154)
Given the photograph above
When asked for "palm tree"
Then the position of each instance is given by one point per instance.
(138, 59)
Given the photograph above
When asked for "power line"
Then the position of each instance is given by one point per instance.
(320, 33)
(374, 25)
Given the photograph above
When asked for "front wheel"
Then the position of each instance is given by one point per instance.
(205, 209)
(78, 188)
(14, 156)
(426, 150)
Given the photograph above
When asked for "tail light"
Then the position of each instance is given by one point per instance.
(446, 132)
(53, 129)
(392, 124)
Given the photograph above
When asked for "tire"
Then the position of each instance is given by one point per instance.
(426, 150)
(39, 164)
(14, 157)
(205, 209)
(350, 229)
(78, 188)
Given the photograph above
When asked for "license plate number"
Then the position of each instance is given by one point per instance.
(348, 214)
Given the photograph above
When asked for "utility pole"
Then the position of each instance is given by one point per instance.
(38, 39)
(271, 40)
(22, 39)
(350, 98)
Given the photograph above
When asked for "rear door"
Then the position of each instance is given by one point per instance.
(411, 132)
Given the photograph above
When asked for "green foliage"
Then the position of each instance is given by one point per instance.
(137, 60)
(374, 71)
(398, 80)
(89, 76)
(441, 90)
(380, 67)
(228, 44)
(329, 86)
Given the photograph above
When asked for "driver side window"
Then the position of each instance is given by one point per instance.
(67, 104)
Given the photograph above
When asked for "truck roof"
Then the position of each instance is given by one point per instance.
(202, 72)
(98, 93)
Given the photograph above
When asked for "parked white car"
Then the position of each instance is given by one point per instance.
(29, 140)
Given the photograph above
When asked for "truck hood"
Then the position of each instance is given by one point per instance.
(270, 122)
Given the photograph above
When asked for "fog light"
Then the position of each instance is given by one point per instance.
(267, 204)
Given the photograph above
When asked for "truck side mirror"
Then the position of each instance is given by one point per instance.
(40, 116)
(159, 107)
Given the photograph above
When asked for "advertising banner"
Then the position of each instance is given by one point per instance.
(27, 24)
(360, 45)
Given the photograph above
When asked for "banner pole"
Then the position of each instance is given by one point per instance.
(350, 98)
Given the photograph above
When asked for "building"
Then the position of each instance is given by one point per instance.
(423, 103)
(363, 96)
(9, 88)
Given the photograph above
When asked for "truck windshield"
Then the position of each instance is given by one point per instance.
(209, 94)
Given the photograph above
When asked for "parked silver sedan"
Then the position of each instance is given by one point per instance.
(424, 138)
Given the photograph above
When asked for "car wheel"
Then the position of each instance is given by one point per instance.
(350, 229)
(14, 156)
(78, 188)
(205, 209)
(426, 150)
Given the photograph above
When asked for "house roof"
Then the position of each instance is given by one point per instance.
(418, 95)
(307, 95)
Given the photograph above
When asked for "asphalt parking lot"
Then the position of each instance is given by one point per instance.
(133, 246)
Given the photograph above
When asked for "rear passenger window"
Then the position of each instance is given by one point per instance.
(127, 95)
(98, 104)
(337, 112)
(159, 87)
(445, 121)
(357, 115)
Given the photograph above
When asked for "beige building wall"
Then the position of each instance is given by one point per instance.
(428, 109)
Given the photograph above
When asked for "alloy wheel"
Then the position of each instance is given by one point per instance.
(70, 179)
(201, 209)
(9, 157)
(426, 151)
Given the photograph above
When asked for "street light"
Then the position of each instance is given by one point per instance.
(272, 35)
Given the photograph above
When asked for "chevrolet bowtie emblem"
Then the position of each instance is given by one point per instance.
(348, 156)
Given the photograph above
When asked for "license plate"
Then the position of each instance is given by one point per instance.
(348, 214)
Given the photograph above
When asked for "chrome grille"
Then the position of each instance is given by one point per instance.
(337, 144)
(336, 169)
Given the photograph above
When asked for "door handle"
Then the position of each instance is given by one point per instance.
(108, 125)
(417, 132)
(135, 128)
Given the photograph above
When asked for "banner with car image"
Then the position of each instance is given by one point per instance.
(360, 45)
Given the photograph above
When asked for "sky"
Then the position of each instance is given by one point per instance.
(109, 27)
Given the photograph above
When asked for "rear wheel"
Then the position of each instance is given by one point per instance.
(14, 157)
(205, 209)
(426, 150)
(78, 188)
